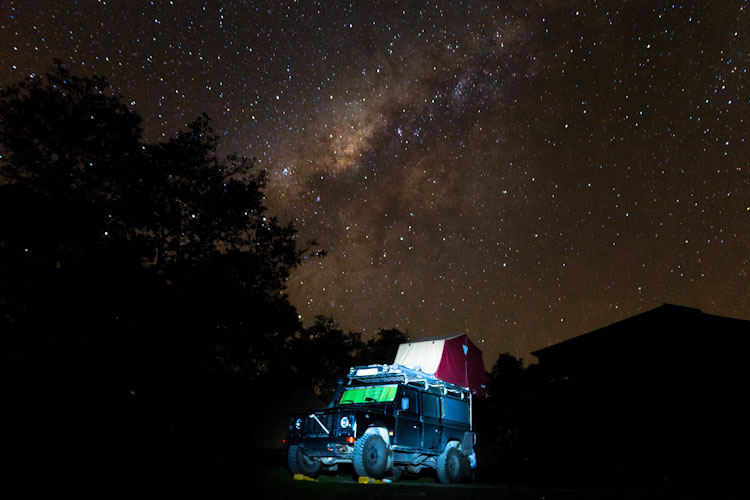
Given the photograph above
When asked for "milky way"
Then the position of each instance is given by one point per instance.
(521, 171)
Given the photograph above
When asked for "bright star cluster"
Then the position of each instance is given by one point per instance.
(521, 171)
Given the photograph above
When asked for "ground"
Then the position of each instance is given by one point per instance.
(260, 475)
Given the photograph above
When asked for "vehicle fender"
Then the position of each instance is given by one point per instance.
(454, 443)
(380, 431)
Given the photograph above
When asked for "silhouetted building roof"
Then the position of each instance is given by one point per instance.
(668, 336)
(657, 398)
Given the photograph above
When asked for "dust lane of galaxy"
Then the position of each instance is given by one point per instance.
(521, 171)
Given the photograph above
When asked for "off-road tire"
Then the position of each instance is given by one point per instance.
(370, 456)
(449, 466)
(299, 463)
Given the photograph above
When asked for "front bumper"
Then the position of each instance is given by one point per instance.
(329, 446)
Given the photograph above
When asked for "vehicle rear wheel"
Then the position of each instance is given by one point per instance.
(370, 456)
(449, 466)
(299, 463)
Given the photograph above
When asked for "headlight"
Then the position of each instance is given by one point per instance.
(298, 424)
(345, 422)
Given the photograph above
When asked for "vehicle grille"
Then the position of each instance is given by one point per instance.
(311, 427)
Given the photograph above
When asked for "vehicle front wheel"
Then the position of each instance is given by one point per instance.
(449, 466)
(299, 463)
(370, 456)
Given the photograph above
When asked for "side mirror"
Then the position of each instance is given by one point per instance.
(405, 403)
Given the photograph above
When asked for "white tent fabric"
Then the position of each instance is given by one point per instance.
(423, 355)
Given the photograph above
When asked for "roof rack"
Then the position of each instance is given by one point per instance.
(383, 374)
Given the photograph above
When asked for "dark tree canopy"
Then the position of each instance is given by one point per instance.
(114, 238)
(382, 348)
(323, 352)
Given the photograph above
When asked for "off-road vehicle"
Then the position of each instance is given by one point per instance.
(387, 419)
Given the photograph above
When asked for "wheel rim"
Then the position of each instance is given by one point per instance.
(452, 465)
(372, 455)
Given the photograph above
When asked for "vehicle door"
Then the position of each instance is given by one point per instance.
(455, 418)
(431, 420)
(408, 425)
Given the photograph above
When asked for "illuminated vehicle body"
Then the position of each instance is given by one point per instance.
(387, 418)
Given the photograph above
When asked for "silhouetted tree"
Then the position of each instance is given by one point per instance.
(526, 422)
(129, 271)
(212, 241)
(63, 141)
(96, 218)
(322, 353)
(382, 348)
(510, 392)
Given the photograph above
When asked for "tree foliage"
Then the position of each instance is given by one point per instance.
(323, 352)
(167, 246)
(382, 348)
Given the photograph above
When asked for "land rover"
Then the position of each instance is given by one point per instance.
(387, 419)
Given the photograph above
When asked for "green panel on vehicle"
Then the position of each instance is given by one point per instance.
(369, 394)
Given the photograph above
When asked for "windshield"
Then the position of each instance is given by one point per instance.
(370, 394)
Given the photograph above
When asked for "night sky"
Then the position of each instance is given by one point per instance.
(521, 171)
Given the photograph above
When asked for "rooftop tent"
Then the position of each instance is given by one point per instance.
(453, 358)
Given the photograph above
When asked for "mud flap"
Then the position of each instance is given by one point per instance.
(468, 456)
(467, 444)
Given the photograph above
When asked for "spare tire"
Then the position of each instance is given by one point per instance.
(370, 456)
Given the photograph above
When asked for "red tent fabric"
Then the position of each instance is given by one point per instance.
(453, 358)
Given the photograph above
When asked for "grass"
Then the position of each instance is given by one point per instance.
(222, 474)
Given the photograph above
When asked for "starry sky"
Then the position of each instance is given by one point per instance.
(521, 171)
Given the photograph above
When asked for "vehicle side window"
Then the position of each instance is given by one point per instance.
(456, 410)
(430, 405)
(412, 395)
